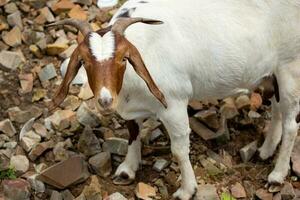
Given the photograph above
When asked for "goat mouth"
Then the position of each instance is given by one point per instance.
(106, 112)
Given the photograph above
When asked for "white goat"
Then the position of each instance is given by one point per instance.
(204, 49)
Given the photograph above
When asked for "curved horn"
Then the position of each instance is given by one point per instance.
(83, 26)
(122, 23)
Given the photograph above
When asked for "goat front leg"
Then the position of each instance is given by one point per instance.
(176, 121)
(125, 173)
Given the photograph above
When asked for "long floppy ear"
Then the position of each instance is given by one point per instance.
(135, 59)
(63, 89)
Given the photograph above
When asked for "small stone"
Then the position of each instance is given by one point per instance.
(253, 115)
(88, 143)
(155, 134)
(40, 129)
(78, 13)
(16, 189)
(116, 146)
(26, 82)
(101, 164)
(255, 101)
(20, 163)
(15, 19)
(274, 188)
(162, 188)
(22, 116)
(11, 60)
(81, 197)
(36, 185)
(242, 102)
(160, 164)
(144, 191)
(65, 173)
(295, 157)
(71, 103)
(39, 94)
(68, 52)
(56, 48)
(7, 128)
(85, 92)
(3, 24)
(206, 192)
(56, 196)
(263, 194)
(61, 119)
(248, 151)
(30, 140)
(228, 109)
(195, 105)
(10, 145)
(287, 192)
(10, 8)
(60, 150)
(47, 73)
(4, 162)
(62, 6)
(209, 117)
(84, 2)
(36, 51)
(277, 196)
(203, 131)
(238, 191)
(67, 195)
(93, 191)
(116, 196)
(86, 116)
(13, 38)
(39, 149)
(47, 14)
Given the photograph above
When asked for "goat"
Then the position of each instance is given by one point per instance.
(197, 50)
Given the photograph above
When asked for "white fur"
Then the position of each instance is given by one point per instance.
(102, 48)
(105, 93)
(213, 49)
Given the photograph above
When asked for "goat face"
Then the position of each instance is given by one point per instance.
(105, 54)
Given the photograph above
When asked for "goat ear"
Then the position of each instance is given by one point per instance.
(137, 63)
(63, 89)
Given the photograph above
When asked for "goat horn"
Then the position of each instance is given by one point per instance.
(122, 23)
(83, 26)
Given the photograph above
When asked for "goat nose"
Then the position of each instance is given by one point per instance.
(105, 102)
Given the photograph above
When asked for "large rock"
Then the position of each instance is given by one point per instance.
(11, 60)
(65, 173)
(88, 143)
(19, 163)
(86, 116)
(17, 189)
(7, 127)
(115, 145)
(101, 164)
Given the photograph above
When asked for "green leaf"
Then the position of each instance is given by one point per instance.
(227, 196)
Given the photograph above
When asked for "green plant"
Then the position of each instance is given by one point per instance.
(8, 174)
(227, 196)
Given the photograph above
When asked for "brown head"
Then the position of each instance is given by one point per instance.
(104, 54)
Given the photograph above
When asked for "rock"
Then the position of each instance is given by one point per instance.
(86, 116)
(116, 196)
(47, 14)
(85, 92)
(67, 195)
(21, 116)
(47, 73)
(26, 128)
(116, 146)
(39, 149)
(144, 191)
(60, 150)
(287, 192)
(255, 101)
(81, 78)
(263, 194)
(56, 48)
(202, 130)
(38, 94)
(35, 50)
(81, 197)
(84, 2)
(11, 60)
(209, 166)
(30, 140)
(206, 192)
(162, 188)
(19, 163)
(65, 173)
(253, 115)
(17, 189)
(13, 38)
(61, 119)
(36, 185)
(26, 82)
(248, 151)
(10, 145)
(3, 24)
(40, 129)
(62, 6)
(101, 164)
(78, 13)
(238, 191)
(15, 19)
(56, 196)
(295, 157)
(160, 164)
(228, 109)
(68, 52)
(277, 196)
(93, 190)
(10, 8)
(209, 117)
(88, 143)
(7, 128)
(195, 104)
(71, 103)
(4, 162)
(242, 102)
(156, 133)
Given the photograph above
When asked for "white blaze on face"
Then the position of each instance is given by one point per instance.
(105, 94)
(102, 48)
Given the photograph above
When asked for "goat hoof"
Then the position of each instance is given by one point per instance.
(122, 179)
(180, 194)
(265, 154)
(276, 178)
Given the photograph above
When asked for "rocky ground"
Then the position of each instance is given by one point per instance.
(73, 152)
